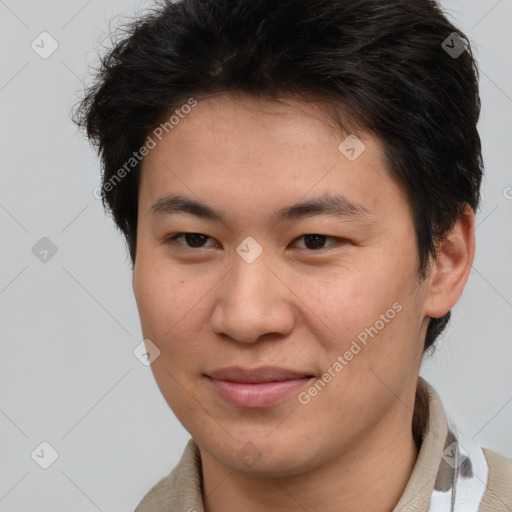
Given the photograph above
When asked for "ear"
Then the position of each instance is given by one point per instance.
(450, 270)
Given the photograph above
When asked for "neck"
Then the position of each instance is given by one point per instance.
(371, 475)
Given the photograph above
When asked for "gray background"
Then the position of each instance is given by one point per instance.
(69, 326)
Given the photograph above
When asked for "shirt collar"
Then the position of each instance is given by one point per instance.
(450, 473)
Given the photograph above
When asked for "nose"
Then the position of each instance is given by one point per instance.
(253, 302)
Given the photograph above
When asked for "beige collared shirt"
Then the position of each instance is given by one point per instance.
(451, 474)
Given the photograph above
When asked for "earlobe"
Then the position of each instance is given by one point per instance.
(451, 268)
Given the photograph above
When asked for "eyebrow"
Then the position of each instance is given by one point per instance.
(338, 205)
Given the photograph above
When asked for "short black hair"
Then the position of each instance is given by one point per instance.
(398, 69)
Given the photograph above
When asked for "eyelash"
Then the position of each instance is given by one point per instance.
(173, 239)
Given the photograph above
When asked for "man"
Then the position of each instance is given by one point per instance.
(297, 184)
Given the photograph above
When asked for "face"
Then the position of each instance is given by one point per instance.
(328, 290)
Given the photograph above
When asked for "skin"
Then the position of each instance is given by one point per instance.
(351, 447)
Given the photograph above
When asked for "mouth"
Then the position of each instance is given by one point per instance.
(256, 388)
(257, 375)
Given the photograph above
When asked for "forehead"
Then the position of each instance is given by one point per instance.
(263, 153)
(241, 122)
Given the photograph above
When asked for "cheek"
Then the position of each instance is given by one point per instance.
(172, 309)
(371, 304)
(347, 298)
(161, 297)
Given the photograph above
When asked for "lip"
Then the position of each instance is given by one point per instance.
(257, 387)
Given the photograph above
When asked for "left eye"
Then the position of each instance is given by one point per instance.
(197, 240)
(314, 242)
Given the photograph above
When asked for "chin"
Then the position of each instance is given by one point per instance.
(266, 455)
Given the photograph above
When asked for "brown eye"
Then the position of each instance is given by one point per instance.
(315, 242)
(192, 240)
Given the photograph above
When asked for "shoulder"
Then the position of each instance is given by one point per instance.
(157, 498)
(499, 483)
(181, 489)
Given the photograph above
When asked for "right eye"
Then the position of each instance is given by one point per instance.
(194, 240)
